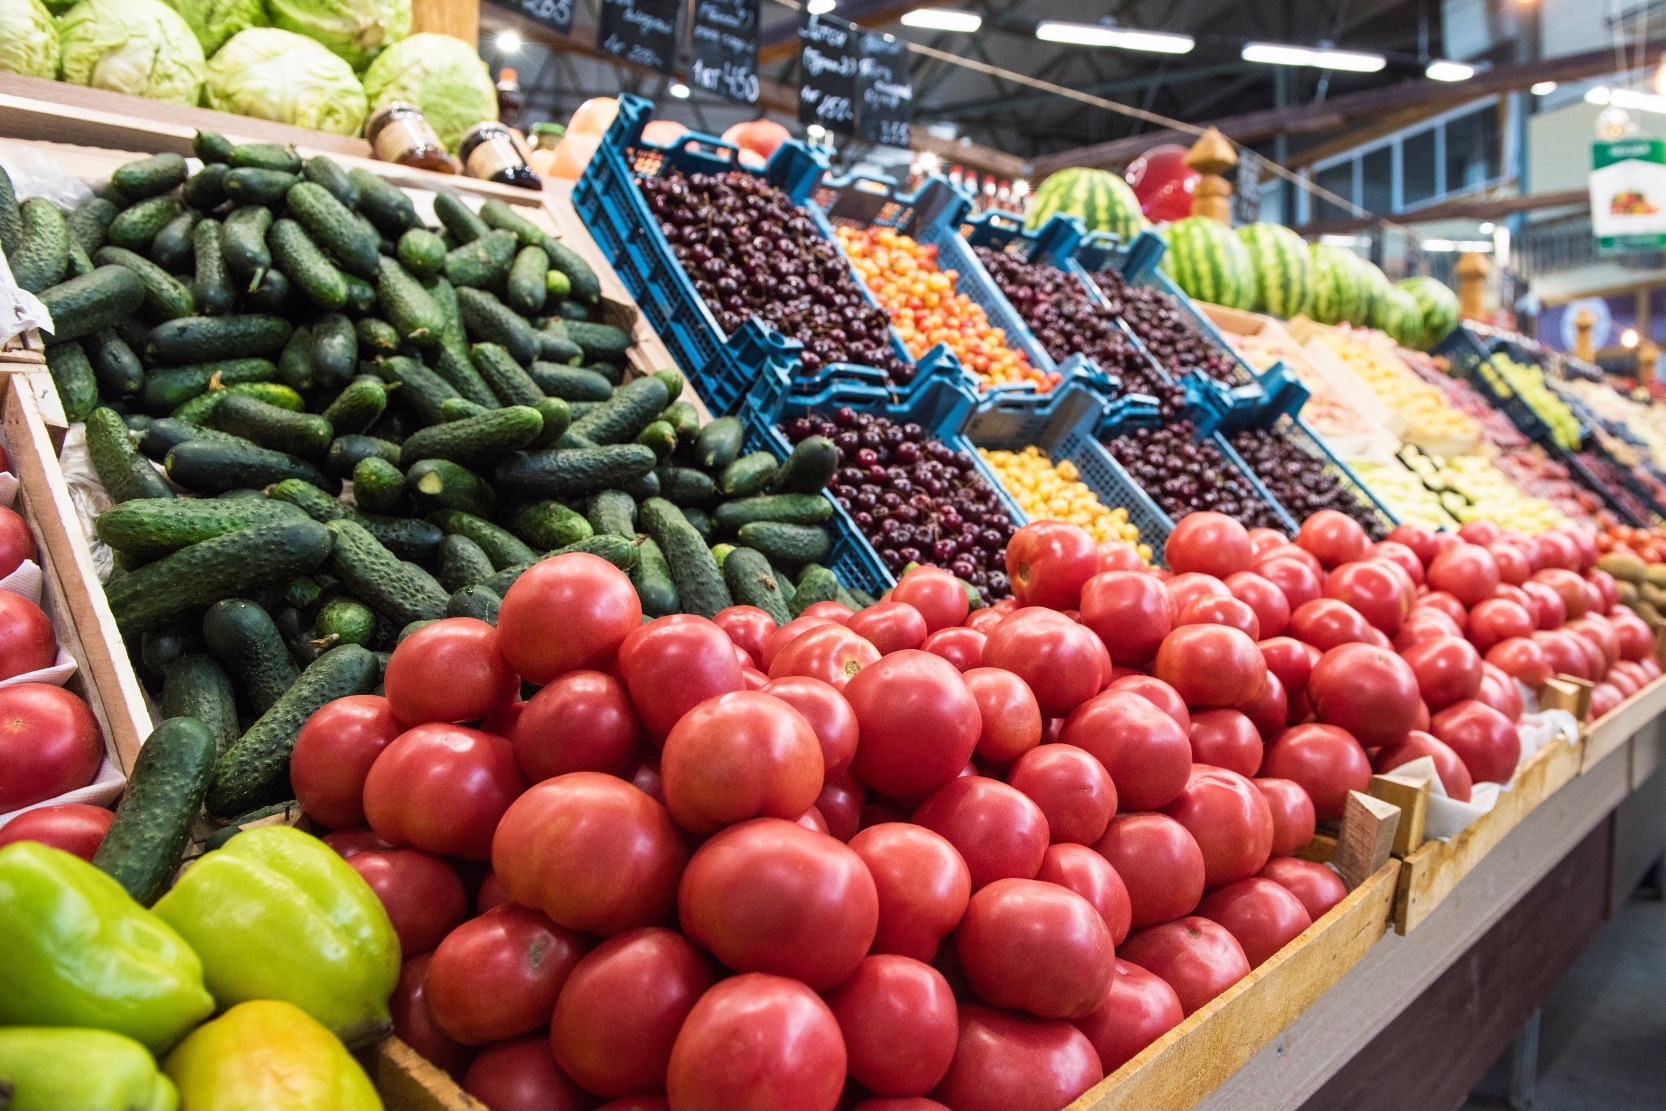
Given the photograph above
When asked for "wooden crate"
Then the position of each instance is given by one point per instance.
(22, 354)
(408, 1082)
(1620, 724)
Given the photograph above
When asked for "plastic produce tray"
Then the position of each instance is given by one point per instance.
(1466, 354)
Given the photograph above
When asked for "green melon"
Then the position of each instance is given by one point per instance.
(1283, 269)
(1437, 308)
(1210, 263)
(1374, 286)
(1098, 198)
(1338, 289)
(1396, 312)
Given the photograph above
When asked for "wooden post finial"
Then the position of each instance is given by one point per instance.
(1648, 360)
(1212, 156)
(1472, 271)
(1584, 323)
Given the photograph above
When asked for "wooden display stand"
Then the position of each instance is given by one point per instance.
(22, 353)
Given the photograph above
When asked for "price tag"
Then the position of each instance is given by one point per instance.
(640, 31)
(557, 15)
(724, 49)
(830, 56)
(885, 95)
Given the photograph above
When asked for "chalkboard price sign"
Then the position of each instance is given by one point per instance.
(724, 57)
(885, 96)
(640, 31)
(557, 15)
(830, 56)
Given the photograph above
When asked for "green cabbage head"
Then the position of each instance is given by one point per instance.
(439, 74)
(280, 76)
(138, 47)
(28, 39)
(354, 30)
(216, 21)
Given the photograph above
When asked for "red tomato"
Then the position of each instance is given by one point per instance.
(1071, 787)
(1130, 611)
(451, 670)
(829, 715)
(1226, 739)
(583, 721)
(1270, 712)
(962, 647)
(830, 652)
(1513, 565)
(1158, 693)
(1375, 588)
(919, 723)
(1369, 691)
(592, 852)
(985, 619)
(1484, 739)
(1446, 604)
(413, 1025)
(1563, 653)
(491, 894)
(1272, 609)
(1448, 670)
(1214, 610)
(349, 842)
(1260, 914)
(1091, 876)
(1606, 586)
(996, 829)
(1230, 821)
(1055, 657)
(749, 627)
(497, 976)
(591, 601)
(1035, 947)
(1198, 958)
(1419, 539)
(1480, 532)
(1549, 611)
(1568, 586)
(1326, 761)
(891, 626)
(1500, 692)
(1315, 886)
(1496, 620)
(1145, 750)
(1327, 623)
(442, 788)
(1292, 661)
(1010, 1060)
(621, 1007)
(757, 1040)
(17, 543)
(1047, 563)
(1402, 557)
(1298, 582)
(1184, 589)
(739, 756)
(770, 896)
(49, 743)
(922, 884)
(1160, 865)
(1294, 822)
(1635, 638)
(27, 642)
(422, 894)
(1262, 539)
(1468, 572)
(672, 664)
(1454, 776)
(1211, 665)
(936, 595)
(521, 1075)
(1334, 537)
(840, 804)
(1119, 555)
(1136, 1010)
(1212, 543)
(836, 612)
(899, 1022)
(333, 754)
(789, 632)
(74, 827)
(1425, 623)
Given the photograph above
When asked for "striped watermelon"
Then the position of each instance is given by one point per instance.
(1283, 269)
(1338, 292)
(1437, 308)
(1396, 312)
(1098, 198)
(1375, 285)
(1210, 263)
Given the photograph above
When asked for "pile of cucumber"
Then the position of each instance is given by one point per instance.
(324, 424)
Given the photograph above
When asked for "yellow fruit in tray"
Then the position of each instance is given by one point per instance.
(1403, 493)
(1048, 491)
(1528, 382)
(1429, 417)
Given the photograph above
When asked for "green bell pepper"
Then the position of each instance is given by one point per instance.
(276, 914)
(46, 1068)
(78, 951)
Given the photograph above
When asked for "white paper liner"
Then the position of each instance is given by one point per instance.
(26, 580)
(8, 489)
(1447, 817)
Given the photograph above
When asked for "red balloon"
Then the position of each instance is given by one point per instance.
(1163, 183)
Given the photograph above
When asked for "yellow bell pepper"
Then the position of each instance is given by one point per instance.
(44, 1068)
(268, 1056)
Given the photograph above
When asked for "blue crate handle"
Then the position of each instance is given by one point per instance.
(1133, 410)
(1257, 405)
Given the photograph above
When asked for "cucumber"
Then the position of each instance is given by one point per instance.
(502, 216)
(618, 551)
(481, 263)
(500, 546)
(297, 638)
(526, 289)
(205, 190)
(243, 242)
(556, 416)
(214, 569)
(816, 584)
(253, 185)
(788, 509)
(303, 592)
(809, 468)
(719, 444)
(265, 156)
(547, 525)
(422, 253)
(660, 438)
(444, 294)
(361, 296)
(213, 467)
(376, 337)
(167, 389)
(134, 227)
(488, 320)
(753, 582)
(700, 586)
(200, 409)
(79, 263)
(652, 578)
(344, 621)
(572, 473)
(358, 406)
(400, 591)
(147, 177)
(160, 648)
(271, 293)
(437, 484)
(384, 203)
(306, 435)
(117, 368)
(125, 474)
(601, 342)
(256, 767)
(474, 601)
(459, 219)
(93, 302)
(455, 366)
(346, 451)
(332, 226)
(405, 537)
(624, 415)
(792, 545)
(508, 382)
(420, 389)
(555, 347)
(42, 258)
(160, 436)
(89, 223)
(171, 249)
(682, 416)
(698, 518)
(586, 287)
(748, 475)
(11, 220)
(570, 382)
(211, 147)
(459, 408)
(142, 848)
(406, 305)
(378, 486)
(204, 339)
(462, 563)
(685, 486)
(477, 440)
(335, 349)
(558, 283)
(329, 173)
(72, 374)
(613, 511)
(166, 295)
(196, 686)
(244, 639)
(644, 486)
(211, 290)
(305, 264)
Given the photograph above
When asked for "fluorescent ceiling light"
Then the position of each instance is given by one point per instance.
(1442, 70)
(1441, 245)
(943, 19)
(1629, 99)
(1543, 88)
(820, 7)
(678, 90)
(509, 42)
(1283, 54)
(1486, 227)
(1339, 240)
(1122, 38)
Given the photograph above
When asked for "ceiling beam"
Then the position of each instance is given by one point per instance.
(1462, 208)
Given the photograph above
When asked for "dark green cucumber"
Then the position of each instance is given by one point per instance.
(271, 293)
(211, 289)
(344, 621)
(406, 305)
(361, 296)
(452, 334)
(165, 294)
(809, 468)
(462, 563)
(171, 249)
(501, 216)
(332, 176)
(160, 436)
(660, 438)
(125, 473)
(509, 383)
(205, 190)
(378, 486)
(376, 337)
(600, 342)
(748, 475)
(686, 486)
(11, 221)
(134, 227)
(106, 297)
(400, 591)
(585, 286)
(297, 637)
(303, 592)
(700, 586)
(244, 639)
(502, 547)
(119, 372)
(437, 484)
(557, 416)
(459, 408)
(332, 226)
(547, 525)
(384, 203)
(783, 544)
(459, 219)
(335, 350)
(142, 848)
(698, 518)
(253, 185)
(618, 551)
(422, 252)
(214, 569)
(243, 242)
(42, 259)
(89, 223)
(475, 441)
(304, 263)
(816, 584)
(211, 147)
(213, 467)
(72, 373)
(265, 156)
(572, 473)
(570, 382)
(203, 339)
(420, 389)
(166, 390)
(196, 686)
(652, 578)
(160, 648)
(80, 264)
(623, 416)
(613, 511)
(788, 509)
(555, 347)
(346, 451)
(481, 263)
(306, 435)
(476, 601)
(488, 320)
(753, 582)
(200, 409)
(454, 365)
(357, 406)
(719, 444)
(405, 537)
(149, 176)
(257, 766)
(526, 288)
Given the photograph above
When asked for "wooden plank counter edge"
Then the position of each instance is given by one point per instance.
(407, 1081)
(1616, 727)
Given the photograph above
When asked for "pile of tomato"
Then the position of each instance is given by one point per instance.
(1647, 544)
(916, 856)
